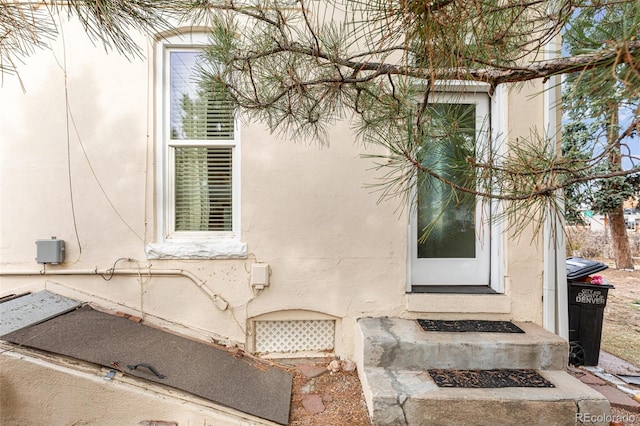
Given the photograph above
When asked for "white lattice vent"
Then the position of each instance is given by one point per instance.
(295, 336)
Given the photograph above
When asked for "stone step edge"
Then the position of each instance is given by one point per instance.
(385, 341)
(389, 393)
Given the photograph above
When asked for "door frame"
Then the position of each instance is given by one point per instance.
(497, 113)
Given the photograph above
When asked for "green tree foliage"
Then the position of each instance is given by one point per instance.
(579, 139)
(27, 26)
(577, 143)
(606, 99)
(382, 63)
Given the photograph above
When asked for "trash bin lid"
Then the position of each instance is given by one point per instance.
(578, 267)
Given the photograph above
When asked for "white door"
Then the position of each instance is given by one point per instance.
(449, 235)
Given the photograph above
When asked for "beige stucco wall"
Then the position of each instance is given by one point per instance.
(332, 248)
(36, 391)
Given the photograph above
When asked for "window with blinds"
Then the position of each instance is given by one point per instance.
(203, 191)
(200, 139)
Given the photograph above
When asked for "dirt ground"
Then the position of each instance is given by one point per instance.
(621, 327)
(340, 393)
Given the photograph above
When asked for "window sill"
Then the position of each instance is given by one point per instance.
(217, 249)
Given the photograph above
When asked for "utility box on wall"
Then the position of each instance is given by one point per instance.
(50, 251)
(260, 275)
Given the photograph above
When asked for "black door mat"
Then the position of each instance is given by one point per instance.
(459, 326)
(242, 383)
(489, 379)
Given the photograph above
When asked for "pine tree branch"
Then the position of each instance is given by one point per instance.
(504, 74)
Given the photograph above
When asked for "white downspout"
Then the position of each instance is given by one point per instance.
(562, 295)
(549, 280)
(555, 298)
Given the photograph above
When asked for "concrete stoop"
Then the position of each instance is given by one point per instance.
(393, 355)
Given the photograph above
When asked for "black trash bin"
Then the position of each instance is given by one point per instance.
(586, 310)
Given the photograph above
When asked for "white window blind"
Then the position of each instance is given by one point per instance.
(203, 189)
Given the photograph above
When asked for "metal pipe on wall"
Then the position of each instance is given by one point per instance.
(218, 300)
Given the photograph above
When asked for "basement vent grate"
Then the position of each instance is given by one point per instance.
(295, 336)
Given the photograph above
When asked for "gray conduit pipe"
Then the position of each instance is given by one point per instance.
(215, 298)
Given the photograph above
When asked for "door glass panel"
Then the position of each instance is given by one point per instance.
(446, 219)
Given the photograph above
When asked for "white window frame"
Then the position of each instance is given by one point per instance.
(187, 244)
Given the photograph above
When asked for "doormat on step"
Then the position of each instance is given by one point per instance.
(489, 379)
(470, 326)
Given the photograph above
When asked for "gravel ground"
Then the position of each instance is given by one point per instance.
(626, 417)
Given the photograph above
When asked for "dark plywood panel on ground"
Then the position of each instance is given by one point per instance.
(241, 383)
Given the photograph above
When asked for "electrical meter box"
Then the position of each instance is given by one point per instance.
(50, 251)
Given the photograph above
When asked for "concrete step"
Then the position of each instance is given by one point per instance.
(410, 397)
(401, 344)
